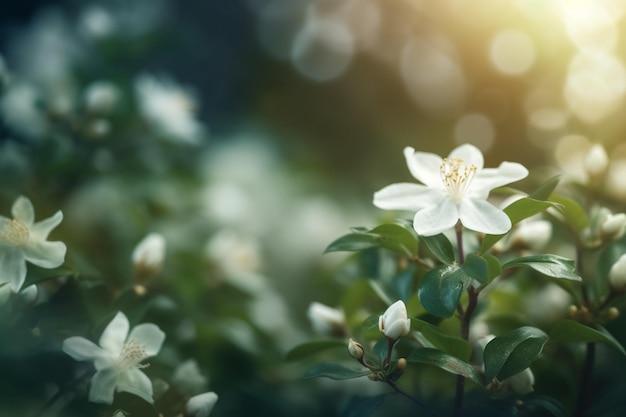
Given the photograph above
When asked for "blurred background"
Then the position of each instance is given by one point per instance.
(253, 133)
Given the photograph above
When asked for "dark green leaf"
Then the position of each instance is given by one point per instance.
(353, 242)
(545, 190)
(570, 331)
(440, 246)
(381, 348)
(476, 267)
(311, 348)
(334, 371)
(531, 404)
(359, 406)
(452, 345)
(446, 362)
(396, 238)
(512, 352)
(493, 266)
(573, 213)
(517, 211)
(36, 274)
(404, 283)
(440, 289)
(550, 265)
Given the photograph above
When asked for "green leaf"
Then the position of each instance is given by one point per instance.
(389, 236)
(441, 247)
(493, 266)
(37, 274)
(550, 405)
(545, 190)
(476, 267)
(574, 215)
(550, 265)
(570, 331)
(334, 371)
(311, 348)
(446, 362)
(517, 211)
(452, 345)
(512, 352)
(440, 289)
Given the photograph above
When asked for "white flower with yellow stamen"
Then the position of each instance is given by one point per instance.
(21, 240)
(454, 188)
(118, 359)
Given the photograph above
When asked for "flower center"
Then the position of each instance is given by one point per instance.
(131, 355)
(456, 177)
(14, 232)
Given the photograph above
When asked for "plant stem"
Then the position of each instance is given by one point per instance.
(420, 404)
(63, 391)
(585, 380)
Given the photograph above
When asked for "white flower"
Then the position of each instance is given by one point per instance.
(188, 378)
(118, 358)
(149, 254)
(201, 405)
(170, 108)
(521, 383)
(455, 188)
(355, 349)
(326, 320)
(617, 274)
(21, 240)
(394, 322)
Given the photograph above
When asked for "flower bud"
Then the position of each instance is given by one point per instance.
(394, 322)
(327, 320)
(148, 255)
(188, 378)
(521, 383)
(617, 274)
(613, 313)
(101, 96)
(356, 350)
(596, 162)
(613, 226)
(401, 363)
(201, 405)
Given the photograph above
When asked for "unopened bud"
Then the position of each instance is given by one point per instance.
(201, 405)
(394, 323)
(572, 311)
(401, 363)
(617, 274)
(521, 383)
(356, 350)
(596, 162)
(613, 313)
(327, 320)
(613, 226)
(148, 255)
(140, 290)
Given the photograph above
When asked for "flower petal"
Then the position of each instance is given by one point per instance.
(45, 254)
(490, 178)
(406, 196)
(41, 229)
(436, 219)
(150, 336)
(482, 216)
(114, 335)
(136, 382)
(23, 211)
(103, 386)
(81, 349)
(424, 166)
(12, 266)
(201, 405)
(470, 155)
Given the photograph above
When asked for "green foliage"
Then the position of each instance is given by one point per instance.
(476, 267)
(570, 331)
(553, 266)
(440, 246)
(334, 370)
(311, 348)
(452, 345)
(446, 362)
(389, 236)
(573, 214)
(440, 289)
(512, 352)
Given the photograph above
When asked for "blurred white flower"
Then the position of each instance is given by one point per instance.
(170, 108)
(201, 405)
(118, 358)
(326, 320)
(456, 188)
(101, 96)
(188, 378)
(22, 240)
(617, 274)
(596, 162)
(149, 254)
(96, 22)
(394, 322)
(20, 110)
(613, 226)
(521, 383)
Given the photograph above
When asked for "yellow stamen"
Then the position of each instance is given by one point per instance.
(15, 233)
(457, 177)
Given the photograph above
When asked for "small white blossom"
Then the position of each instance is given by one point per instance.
(22, 240)
(149, 254)
(394, 322)
(596, 161)
(617, 274)
(201, 405)
(521, 383)
(118, 358)
(170, 108)
(101, 96)
(326, 320)
(188, 378)
(455, 188)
